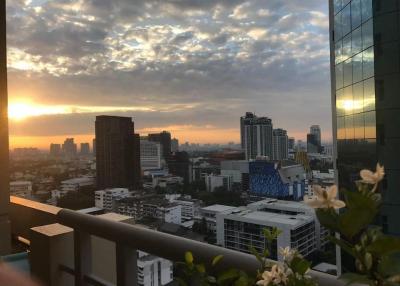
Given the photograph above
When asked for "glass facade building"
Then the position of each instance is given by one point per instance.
(365, 68)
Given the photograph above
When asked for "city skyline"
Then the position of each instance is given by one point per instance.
(187, 67)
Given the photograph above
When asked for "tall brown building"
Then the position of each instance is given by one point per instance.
(117, 153)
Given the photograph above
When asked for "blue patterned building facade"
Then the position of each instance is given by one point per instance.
(266, 179)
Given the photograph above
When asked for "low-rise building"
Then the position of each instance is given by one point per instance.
(76, 183)
(189, 207)
(21, 189)
(105, 198)
(238, 170)
(153, 270)
(209, 214)
(164, 210)
(216, 181)
(242, 228)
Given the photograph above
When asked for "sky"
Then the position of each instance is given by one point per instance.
(191, 67)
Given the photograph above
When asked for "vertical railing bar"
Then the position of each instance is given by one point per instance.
(82, 257)
(126, 265)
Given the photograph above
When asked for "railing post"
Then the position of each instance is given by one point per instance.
(82, 257)
(5, 240)
(126, 262)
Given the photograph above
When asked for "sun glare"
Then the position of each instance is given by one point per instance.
(20, 111)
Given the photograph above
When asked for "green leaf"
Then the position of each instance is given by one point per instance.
(390, 264)
(328, 218)
(360, 212)
(227, 275)
(256, 254)
(300, 265)
(384, 245)
(189, 257)
(343, 245)
(242, 281)
(352, 278)
(200, 268)
(216, 259)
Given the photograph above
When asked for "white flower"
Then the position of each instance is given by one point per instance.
(324, 198)
(287, 253)
(373, 178)
(276, 276)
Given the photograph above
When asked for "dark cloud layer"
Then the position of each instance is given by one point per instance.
(197, 62)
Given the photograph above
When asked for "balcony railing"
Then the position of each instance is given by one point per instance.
(27, 215)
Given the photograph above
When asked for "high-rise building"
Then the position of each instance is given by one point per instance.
(312, 144)
(248, 116)
(117, 153)
(280, 144)
(150, 155)
(164, 138)
(94, 147)
(69, 147)
(179, 165)
(316, 131)
(174, 145)
(365, 69)
(85, 149)
(291, 143)
(257, 140)
(55, 150)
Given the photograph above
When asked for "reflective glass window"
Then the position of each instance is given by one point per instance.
(347, 103)
(355, 13)
(356, 41)
(338, 26)
(339, 103)
(345, 2)
(366, 9)
(367, 34)
(338, 52)
(358, 97)
(339, 76)
(349, 126)
(359, 126)
(369, 94)
(370, 124)
(368, 63)
(346, 20)
(337, 5)
(357, 67)
(346, 51)
(341, 134)
(348, 72)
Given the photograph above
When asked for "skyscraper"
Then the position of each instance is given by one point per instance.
(85, 149)
(365, 69)
(150, 155)
(174, 145)
(280, 144)
(94, 147)
(248, 117)
(312, 144)
(117, 153)
(316, 131)
(164, 138)
(55, 150)
(257, 139)
(69, 147)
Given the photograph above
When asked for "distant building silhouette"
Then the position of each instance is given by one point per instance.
(117, 153)
(280, 144)
(69, 147)
(55, 150)
(174, 145)
(257, 136)
(164, 138)
(85, 149)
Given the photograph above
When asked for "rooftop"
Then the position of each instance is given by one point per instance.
(218, 208)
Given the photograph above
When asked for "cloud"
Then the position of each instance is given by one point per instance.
(219, 57)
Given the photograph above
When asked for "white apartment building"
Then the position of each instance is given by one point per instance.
(21, 189)
(189, 208)
(215, 181)
(242, 228)
(150, 155)
(210, 215)
(163, 210)
(76, 183)
(104, 198)
(153, 270)
(293, 208)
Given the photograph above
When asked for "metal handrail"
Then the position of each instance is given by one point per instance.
(165, 245)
